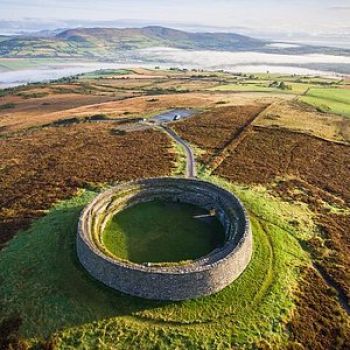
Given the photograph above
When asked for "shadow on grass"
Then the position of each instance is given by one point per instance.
(43, 282)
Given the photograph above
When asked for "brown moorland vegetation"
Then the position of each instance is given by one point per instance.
(58, 105)
(318, 322)
(215, 129)
(267, 153)
(28, 112)
(334, 254)
(332, 251)
(42, 167)
(322, 169)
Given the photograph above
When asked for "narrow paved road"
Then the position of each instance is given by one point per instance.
(190, 161)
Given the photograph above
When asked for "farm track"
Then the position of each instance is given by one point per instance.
(213, 130)
(270, 153)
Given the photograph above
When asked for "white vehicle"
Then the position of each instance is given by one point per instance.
(177, 117)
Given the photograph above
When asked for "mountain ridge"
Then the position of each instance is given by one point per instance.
(99, 43)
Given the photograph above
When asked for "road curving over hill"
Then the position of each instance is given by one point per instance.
(190, 160)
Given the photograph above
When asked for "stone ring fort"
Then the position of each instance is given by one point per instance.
(200, 277)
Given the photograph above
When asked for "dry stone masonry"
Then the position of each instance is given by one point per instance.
(200, 277)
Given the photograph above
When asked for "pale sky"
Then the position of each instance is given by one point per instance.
(312, 16)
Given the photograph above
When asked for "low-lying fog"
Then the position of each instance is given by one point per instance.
(249, 61)
(313, 64)
(55, 71)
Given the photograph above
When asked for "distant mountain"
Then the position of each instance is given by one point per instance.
(98, 42)
(109, 42)
(45, 33)
(160, 36)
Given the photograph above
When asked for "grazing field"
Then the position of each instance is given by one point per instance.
(298, 117)
(9, 64)
(288, 161)
(162, 232)
(110, 73)
(275, 83)
(329, 100)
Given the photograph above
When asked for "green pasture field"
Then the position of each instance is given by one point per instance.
(263, 86)
(106, 73)
(330, 100)
(317, 91)
(246, 87)
(13, 64)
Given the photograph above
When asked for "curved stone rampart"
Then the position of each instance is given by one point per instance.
(200, 277)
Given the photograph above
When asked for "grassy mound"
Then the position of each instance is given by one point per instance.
(162, 231)
(43, 283)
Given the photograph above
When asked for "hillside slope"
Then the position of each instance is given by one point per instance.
(112, 42)
(97, 42)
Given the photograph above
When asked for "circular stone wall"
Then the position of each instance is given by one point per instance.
(200, 277)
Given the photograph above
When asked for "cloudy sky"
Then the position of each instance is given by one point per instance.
(312, 16)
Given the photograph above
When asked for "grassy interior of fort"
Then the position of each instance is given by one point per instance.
(162, 231)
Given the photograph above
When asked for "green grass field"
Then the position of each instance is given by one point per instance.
(263, 86)
(295, 85)
(298, 88)
(245, 87)
(161, 232)
(43, 282)
(330, 100)
(106, 73)
(7, 64)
